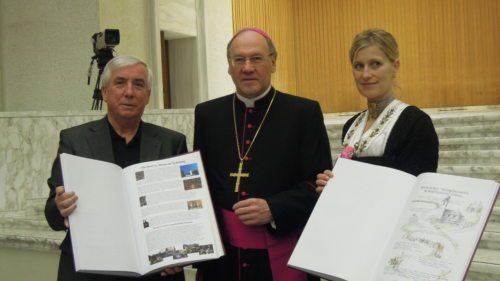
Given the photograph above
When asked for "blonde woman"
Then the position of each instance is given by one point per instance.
(389, 132)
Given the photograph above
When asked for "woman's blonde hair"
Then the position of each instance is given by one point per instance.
(378, 37)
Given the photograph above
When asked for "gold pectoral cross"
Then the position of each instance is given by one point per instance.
(238, 176)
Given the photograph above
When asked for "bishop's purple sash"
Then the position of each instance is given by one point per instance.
(257, 237)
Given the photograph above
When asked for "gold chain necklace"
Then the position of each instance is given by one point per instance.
(240, 174)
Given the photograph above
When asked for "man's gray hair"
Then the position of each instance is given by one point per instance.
(122, 61)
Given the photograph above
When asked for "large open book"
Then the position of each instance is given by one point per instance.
(140, 219)
(377, 223)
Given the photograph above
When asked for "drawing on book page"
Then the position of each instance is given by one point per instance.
(434, 230)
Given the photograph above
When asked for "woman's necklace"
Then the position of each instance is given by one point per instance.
(242, 156)
(377, 107)
(362, 143)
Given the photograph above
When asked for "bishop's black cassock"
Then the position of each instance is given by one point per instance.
(290, 149)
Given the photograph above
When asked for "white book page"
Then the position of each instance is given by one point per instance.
(439, 231)
(175, 219)
(352, 221)
(100, 225)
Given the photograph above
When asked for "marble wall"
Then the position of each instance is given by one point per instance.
(30, 142)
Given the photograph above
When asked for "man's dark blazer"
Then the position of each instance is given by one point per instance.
(93, 140)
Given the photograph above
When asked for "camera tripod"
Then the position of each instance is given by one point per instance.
(102, 57)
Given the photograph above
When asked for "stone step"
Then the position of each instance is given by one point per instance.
(335, 151)
(461, 139)
(27, 225)
(468, 131)
(484, 143)
(485, 264)
(486, 261)
(470, 121)
(446, 117)
(446, 131)
(490, 240)
(492, 229)
(42, 242)
(449, 145)
(478, 169)
(493, 226)
(490, 169)
(37, 223)
(480, 276)
(334, 135)
(491, 172)
(488, 157)
(440, 118)
(22, 231)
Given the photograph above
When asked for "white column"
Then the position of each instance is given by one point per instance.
(217, 29)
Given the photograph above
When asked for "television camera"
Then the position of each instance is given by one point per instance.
(103, 45)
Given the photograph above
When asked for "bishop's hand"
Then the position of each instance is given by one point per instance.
(322, 179)
(253, 211)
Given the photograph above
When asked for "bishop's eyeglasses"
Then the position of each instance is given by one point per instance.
(256, 60)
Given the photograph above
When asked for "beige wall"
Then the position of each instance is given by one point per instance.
(132, 19)
(139, 34)
(45, 49)
(45, 52)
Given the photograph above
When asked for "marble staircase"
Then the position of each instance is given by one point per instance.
(470, 146)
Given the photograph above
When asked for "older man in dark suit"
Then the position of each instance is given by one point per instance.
(120, 137)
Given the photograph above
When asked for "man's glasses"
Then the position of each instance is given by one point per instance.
(253, 60)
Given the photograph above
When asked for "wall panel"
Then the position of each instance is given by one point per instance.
(448, 48)
(276, 18)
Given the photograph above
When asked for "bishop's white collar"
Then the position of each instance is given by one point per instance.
(250, 102)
